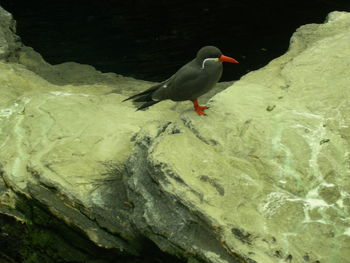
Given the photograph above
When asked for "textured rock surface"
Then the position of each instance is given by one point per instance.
(268, 170)
(263, 178)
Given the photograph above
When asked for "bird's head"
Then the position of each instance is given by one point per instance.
(211, 53)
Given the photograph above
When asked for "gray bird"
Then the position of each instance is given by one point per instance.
(191, 81)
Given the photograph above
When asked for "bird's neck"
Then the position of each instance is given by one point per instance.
(208, 60)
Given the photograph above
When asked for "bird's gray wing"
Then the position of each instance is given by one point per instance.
(180, 86)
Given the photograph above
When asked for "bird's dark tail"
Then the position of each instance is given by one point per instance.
(145, 96)
(147, 104)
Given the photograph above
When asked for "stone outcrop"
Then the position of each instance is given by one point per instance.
(9, 41)
(264, 177)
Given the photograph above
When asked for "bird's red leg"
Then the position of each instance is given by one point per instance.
(199, 109)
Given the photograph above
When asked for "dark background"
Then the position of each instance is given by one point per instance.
(151, 39)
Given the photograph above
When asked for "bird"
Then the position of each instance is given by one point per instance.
(191, 81)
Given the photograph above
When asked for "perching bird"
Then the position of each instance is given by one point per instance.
(191, 81)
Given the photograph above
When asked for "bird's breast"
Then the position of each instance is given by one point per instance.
(209, 76)
(213, 73)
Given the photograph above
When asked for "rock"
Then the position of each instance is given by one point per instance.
(54, 154)
(9, 41)
(271, 153)
(263, 178)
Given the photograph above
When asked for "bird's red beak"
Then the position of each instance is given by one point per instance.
(223, 58)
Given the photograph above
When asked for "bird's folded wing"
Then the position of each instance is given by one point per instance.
(178, 87)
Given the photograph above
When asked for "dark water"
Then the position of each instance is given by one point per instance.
(151, 39)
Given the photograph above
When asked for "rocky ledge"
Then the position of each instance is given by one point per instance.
(264, 177)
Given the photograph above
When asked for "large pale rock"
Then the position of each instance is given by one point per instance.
(267, 171)
(263, 178)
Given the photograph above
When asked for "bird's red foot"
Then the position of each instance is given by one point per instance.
(199, 109)
(203, 107)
